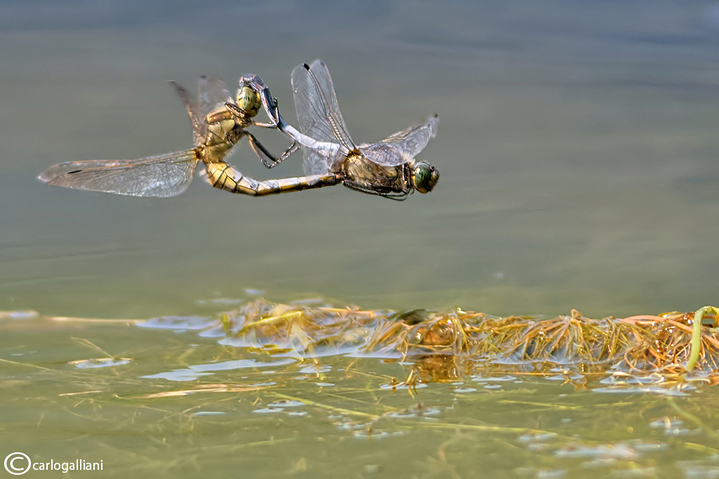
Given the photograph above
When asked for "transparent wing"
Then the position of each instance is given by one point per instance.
(322, 76)
(319, 115)
(403, 146)
(197, 119)
(155, 176)
(212, 94)
(414, 139)
(61, 168)
(314, 163)
(384, 154)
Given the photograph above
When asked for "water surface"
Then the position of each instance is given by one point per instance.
(577, 149)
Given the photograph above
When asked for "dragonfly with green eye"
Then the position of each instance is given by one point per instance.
(215, 128)
(386, 168)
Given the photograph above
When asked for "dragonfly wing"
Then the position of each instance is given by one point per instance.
(403, 146)
(61, 168)
(197, 119)
(384, 154)
(324, 80)
(156, 176)
(319, 115)
(212, 93)
(315, 163)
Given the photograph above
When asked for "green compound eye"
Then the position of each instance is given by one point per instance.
(424, 176)
(249, 100)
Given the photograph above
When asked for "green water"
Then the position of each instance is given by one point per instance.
(177, 403)
(577, 148)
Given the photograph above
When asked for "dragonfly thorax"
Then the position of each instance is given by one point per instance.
(359, 173)
(224, 130)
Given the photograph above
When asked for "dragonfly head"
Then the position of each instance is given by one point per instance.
(249, 100)
(424, 177)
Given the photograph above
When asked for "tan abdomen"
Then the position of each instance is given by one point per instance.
(225, 177)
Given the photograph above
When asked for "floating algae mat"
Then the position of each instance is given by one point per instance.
(669, 351)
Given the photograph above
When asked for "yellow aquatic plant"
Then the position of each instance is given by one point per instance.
(670, 343)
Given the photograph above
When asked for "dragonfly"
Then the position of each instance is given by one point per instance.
(218, 123)
(330, 156)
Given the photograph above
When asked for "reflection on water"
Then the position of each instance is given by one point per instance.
(577, 147)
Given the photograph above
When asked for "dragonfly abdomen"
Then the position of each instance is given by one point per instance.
(223, 176)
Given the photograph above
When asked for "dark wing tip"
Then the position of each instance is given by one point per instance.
(307, 67)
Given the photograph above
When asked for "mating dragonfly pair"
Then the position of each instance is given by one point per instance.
(331, 157)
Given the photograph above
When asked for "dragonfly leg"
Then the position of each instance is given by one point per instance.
(264, 125)
(265, 156)
(225, 177)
